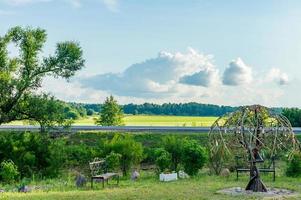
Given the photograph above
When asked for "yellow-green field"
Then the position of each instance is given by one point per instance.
(149, 120)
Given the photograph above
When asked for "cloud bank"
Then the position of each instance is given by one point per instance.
(166, 74)
(178, 77)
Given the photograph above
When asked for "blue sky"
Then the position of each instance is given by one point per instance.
(211, 51)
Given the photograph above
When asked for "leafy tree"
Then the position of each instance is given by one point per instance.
(193, 157)
(293, 115)
(21, 76)
(111, 113)
(45, 110)
(131, 151)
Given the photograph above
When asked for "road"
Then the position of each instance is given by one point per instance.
(120, 128)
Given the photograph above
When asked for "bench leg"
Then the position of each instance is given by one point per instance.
(103, 183)
(236, 175)
(92, 183)
(274, 176)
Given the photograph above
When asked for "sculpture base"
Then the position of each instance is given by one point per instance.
(256, 185)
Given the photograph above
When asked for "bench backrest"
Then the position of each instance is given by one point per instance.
(267, 163)
(97, 166)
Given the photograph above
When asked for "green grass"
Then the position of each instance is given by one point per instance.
(148, 120)
(148, 187)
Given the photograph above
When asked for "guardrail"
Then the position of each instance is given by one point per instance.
(297, 130)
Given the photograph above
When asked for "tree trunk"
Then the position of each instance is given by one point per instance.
(255, 184)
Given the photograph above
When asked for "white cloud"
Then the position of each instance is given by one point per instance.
(169, 74)
(112, 5)
(237, 73)
(277, 76)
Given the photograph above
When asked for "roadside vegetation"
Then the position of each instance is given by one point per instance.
(49, 166)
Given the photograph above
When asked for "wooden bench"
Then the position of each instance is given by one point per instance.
(270, 169)
(99, 172)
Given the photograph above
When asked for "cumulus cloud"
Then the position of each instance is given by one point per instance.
(237, 73)
(163, 75)
(277, 76)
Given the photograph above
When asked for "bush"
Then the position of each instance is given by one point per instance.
(294, 166)
(112, 161)
(163, 159)
(173, 145)
(8, 171)
(131, 151)
(193, 157)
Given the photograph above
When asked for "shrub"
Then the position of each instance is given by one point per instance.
(131, 151)
(174, 146)
(163, 159)
(113, 161)
(294, 165)
(8, 171)
(193, 157)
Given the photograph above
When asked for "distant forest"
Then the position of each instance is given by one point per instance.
(178, 109)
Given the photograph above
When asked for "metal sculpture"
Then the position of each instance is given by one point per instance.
(254, 129)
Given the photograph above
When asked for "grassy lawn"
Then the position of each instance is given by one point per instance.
(149, 120)
(148, 187)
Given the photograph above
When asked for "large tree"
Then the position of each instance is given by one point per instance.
(22, 75)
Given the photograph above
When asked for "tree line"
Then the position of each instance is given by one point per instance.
(177, 109)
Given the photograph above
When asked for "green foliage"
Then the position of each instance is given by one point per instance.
(80, 154)
(32, 153)
(163, 159)
(131, 151)
(45, 110)
(8, 171)
(112, 161)
(193, 157)
(111, 113)
(173, 145)
(90, 112)
(21, 76)
(293, 115)
(294, 165)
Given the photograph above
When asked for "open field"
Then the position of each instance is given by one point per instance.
(149, 120)
(148, 187)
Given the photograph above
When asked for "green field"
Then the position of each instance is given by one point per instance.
(149, 120)
(149, 187)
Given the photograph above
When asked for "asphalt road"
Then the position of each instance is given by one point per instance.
(119, 128)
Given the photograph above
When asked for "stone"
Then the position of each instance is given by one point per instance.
(135, 175)
(80, 180)
(183, 174)
(225, 172)
(1, 190)
(24, 189)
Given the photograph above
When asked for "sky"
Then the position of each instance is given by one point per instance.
(208, 51)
